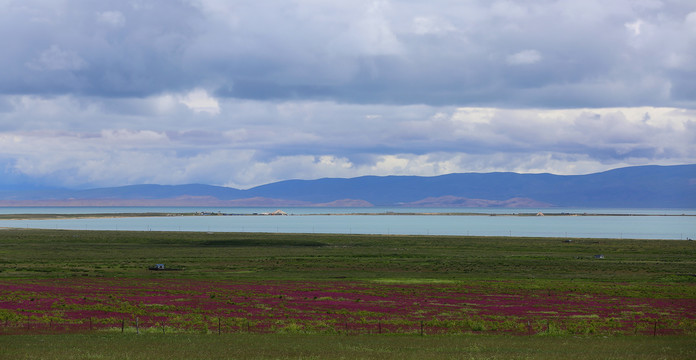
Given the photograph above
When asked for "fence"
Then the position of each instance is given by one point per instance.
(223, 325)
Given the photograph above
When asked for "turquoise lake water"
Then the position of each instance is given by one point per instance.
(672, 224)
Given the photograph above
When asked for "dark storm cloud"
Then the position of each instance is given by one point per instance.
(240, 93)
(523, 53)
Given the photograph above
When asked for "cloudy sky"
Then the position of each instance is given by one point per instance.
(242, 93)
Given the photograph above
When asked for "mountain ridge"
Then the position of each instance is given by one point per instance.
(649, 186)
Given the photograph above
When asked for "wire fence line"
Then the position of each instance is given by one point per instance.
(222, 325)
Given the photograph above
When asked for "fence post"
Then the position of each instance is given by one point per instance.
(421, 333)
(219, 325)
(123, 324)
(379, 323)
(137, 326)
(655, 328)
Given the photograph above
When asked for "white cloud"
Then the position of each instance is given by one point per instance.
(199, 100)
(509, 9)
(369, 35)
(524, 57)
(634, 27)
(111, 18)
(690, 24)
(260, 142)
(423, 25)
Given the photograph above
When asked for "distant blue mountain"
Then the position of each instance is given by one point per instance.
(160, 192)
(631, 187)
(125, 193)
(642, 186)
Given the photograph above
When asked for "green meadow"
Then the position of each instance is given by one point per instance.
(195, 255)
(629, 268)
(243, 346)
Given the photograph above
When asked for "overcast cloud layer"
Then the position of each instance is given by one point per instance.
(241, 93)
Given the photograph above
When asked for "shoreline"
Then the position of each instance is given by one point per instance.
(53, 216)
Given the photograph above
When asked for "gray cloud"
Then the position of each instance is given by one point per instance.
(442, 52)
(253, 142)
(243, 93)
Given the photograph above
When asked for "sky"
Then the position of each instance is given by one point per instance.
(244, 93)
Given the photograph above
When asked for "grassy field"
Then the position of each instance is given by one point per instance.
(343, 347)
(56, 253)
(453, 285)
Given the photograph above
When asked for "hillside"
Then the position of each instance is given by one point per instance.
(631, 187)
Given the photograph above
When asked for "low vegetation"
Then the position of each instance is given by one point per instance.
(299, 346)
(394, 296)
(61, 253)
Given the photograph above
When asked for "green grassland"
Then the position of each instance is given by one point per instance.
(245, 346)
(58, 253)
(528, 263)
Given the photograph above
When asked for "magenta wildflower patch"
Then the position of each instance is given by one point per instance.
(327, 307)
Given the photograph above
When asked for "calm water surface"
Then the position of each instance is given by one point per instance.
(660, 224)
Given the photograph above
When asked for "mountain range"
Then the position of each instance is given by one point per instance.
(630, 187)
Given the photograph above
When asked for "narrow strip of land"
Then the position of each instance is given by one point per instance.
(86, 216)
(388, 213)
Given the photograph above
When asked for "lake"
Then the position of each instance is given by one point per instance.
(672, 224)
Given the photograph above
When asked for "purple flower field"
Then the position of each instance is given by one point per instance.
(104, 304)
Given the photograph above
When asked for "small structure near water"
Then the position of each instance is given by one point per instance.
(277, 212)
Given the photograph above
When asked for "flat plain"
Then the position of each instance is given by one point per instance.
(255, 295)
